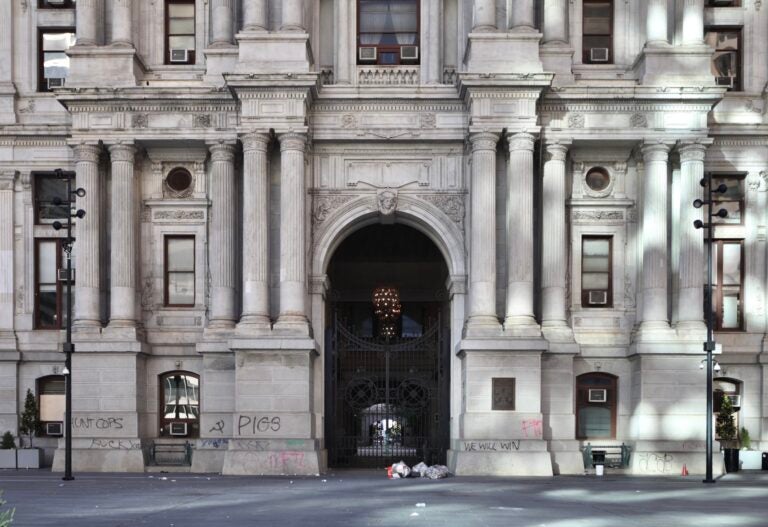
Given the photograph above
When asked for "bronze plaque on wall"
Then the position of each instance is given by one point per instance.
(503, 390)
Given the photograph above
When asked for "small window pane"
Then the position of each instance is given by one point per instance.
(46, 306)
(181, 288)
(52, 407)
(595, 281)
(181, 254)
(594, 421)
(731, 264)
(46, 267)
(181, 10)
(182, 26)
(731, 309)
(181, 42)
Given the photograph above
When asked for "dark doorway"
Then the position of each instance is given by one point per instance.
(387, 383)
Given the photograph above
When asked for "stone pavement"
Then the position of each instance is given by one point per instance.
(362, 498)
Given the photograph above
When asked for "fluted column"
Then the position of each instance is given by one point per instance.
(256, 15)
(520, 315)
(691, 297)
(656, 23)
(655, 184)
(222, 18)
(88, 233)
(221, 246)
(123, 238)
(293, 16)
(431, 29)
(482, 251)
(522, 16)
(555, 22)
(344, 44)
(293, 272)
(554, 253)
(693, 22)
(484, 12)
(255, 233)
(7, 283)
(122, 23)
(86, 20)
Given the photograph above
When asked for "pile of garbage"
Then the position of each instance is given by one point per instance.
(421, 470)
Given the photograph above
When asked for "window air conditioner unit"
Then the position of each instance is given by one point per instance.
(56, 2)
(179, 55)
(598, 395)
(367, 54)
(409, 52)
(598, 298)
(724, 81)
(598, 54)
(55, 82)
(54, 429)
(178, 429)
(62, 275)
(735, 400)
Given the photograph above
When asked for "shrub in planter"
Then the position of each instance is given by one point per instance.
(30, 422)
(7, 451)
(728, 434)
(7, 442)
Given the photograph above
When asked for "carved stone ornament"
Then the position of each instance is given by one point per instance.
(325, 205)
(139, 120)
(27, 106)
(202, 120)
(179, 215)
(576, 120)
(597, 215)
(452, 206)
(638, 120)
(764, 177)
(348, 120)
(147, 292)
(754, 183)
(428, 120)
(387, 201)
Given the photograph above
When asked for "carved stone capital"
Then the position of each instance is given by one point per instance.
(521, 141)
(85, 152)
(255, 141)
(222, 152)
(483, 141)
(7, 179)
(692, 152)
(122, 152)
(557, 151)
(292, 141)
(655, 152)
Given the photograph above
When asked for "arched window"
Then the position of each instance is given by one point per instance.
(596, 406)
(179, 404)
(51, 403)
(388, 32)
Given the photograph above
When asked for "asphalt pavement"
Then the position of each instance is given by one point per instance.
(366, 498)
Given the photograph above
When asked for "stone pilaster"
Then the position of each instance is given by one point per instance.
(86, 22)
(656, 23)
(555, 25)
(482, 319)
(123, 251)
(122, 23)
(255, 315)
(520, 319)
(654, 233)
(522, 16)
(256, 15)
(344, 45)
(691, 295)
(693, 22)
(221, 246)
(293, 268)
(554, 251)
(484, 16)
(222, 22)
(7, 281)
(431, 29)
(293, 16)
(88, 232)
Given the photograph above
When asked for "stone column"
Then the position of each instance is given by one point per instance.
(293, 272)
(654, 315)
(255, 233)
(293, 16)
(520, 315)
(123, 238)
(656, 23)
(88, 233)
(484, 16)
(693, 22)
(555, 22)
(344, 46)
(256, 15)
(222, 17)
(86, 20)
(522, 16)
(122, 23)
(482, 251)
(221, 245)
(691, 297)
(554, 253)
(431, 27)
(7, 283)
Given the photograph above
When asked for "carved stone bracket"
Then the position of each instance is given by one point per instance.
(387, 202)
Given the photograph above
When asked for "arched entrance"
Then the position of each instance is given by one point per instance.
(387, 380)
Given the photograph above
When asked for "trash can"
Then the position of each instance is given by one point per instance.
(598, 458)
(765, 460)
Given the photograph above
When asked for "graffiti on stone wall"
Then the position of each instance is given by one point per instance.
(655, 462)
(98, 423)
(253, 424)
(116, 444)
(218, 427)
(491, 446)
(532, 428)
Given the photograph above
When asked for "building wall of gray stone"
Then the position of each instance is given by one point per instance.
(451, 137)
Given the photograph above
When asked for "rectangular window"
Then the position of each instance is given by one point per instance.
(180, 31)
(53, 61)
(50, 284)
(46, 188)
(388, 32)
(56, 4)
(723, 3)
(726, 61)
(727, 279)
(180, 271)
(596, 271)
(597, 32)
(51, 403)
(732, 200)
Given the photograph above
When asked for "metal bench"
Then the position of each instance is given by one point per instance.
(612, 456)
(171, 454)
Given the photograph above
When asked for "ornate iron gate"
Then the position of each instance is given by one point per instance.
(387, 399)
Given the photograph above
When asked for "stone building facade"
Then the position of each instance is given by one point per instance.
(548, 150)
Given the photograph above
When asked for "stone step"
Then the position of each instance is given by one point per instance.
(170, 469)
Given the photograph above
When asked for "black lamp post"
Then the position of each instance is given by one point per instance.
(66, 244)
(709, 345)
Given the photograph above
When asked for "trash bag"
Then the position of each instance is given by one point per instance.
(401, 469)
(437, 472)
(418, 471)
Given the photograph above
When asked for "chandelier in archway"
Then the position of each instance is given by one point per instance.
(387, 308)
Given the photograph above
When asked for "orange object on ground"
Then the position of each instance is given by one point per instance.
(389, 472)
(685, 470)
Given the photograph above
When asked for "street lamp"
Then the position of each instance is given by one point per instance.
(709, 345)
(66, 244)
